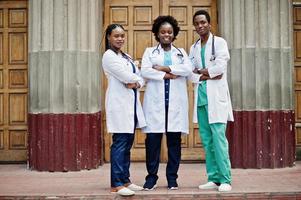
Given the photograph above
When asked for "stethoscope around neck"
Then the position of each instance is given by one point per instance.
(180, 54)
(212, 58)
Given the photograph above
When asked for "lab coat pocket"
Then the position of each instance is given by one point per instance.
(175, 118)
(212, 62)
(222, 93)
(179, 59)
(193, 61)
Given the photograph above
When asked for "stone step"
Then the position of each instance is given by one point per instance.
(155, 195)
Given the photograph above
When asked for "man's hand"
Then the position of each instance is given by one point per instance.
(203, 71)
(217, 77)
(170, 76)
(206, 77)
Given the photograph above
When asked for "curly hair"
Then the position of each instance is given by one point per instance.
(162, 20)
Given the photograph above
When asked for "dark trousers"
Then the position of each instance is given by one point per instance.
(153, 147)
(120, 158)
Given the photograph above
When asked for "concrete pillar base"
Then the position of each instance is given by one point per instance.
(64, 142)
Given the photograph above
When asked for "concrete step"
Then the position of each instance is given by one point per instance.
(170, 196)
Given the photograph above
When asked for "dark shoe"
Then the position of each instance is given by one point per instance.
(173, 188)
(149, 188)
(173, 185)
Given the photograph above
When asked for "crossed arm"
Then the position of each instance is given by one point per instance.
(205, 75)
(203, 72)
(167, 70)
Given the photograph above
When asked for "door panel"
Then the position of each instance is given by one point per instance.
(137, 18)
(13, 81)
(183, 11)
(297, 63)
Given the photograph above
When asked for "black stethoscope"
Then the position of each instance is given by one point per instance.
(180, 54)
(129, 60)
(212, 48)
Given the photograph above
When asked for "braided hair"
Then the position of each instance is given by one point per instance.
(108, 32)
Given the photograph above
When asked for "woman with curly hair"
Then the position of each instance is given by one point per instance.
(165, 68)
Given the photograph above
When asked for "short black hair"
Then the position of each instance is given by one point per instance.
(108, 32)
(162, 20)
(201, 12)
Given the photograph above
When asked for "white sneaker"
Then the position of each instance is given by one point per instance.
(209, 185)
(225, 187)
(125, 192)
(134, 187)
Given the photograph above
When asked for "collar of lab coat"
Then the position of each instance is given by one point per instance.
(197, 49)
(208, 44)
(173, 48)
(209, 41)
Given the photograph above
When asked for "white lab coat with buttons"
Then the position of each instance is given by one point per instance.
(154, 97)
(119, 101)
(219, 102)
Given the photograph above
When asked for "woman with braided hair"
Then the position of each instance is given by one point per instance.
(123, 108)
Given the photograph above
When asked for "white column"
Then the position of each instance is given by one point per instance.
(64, 54)
(259, 35)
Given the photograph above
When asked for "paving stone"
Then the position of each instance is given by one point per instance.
(18, 182)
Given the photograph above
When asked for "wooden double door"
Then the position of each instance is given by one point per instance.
(13, 81)
(297, 64)
(137, 17)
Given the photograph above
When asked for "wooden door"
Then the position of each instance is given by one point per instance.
(297, 63)
(13, 81)
(137, 18)
(183, 11)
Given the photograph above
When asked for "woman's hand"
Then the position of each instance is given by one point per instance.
(196, 71)
(165, 69)
(132, 85)
(170, 76)
(162, 68)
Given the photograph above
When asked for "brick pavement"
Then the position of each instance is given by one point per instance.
(17, 182)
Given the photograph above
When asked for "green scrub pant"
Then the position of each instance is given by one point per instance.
(215, 143)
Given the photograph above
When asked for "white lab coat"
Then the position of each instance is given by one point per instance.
(154, 99)
(219, 102)
(119, 103)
